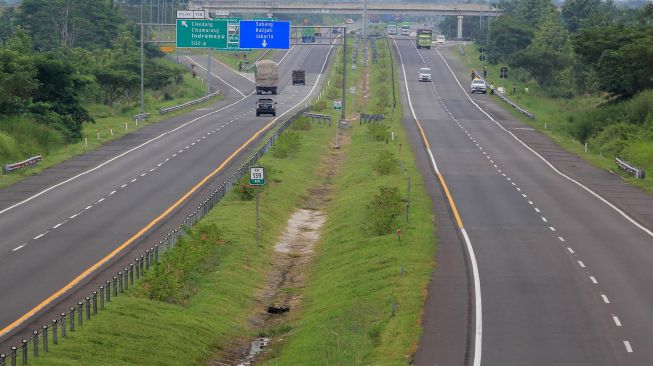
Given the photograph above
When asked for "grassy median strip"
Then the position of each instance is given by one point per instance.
(212, 293)
(364, 295)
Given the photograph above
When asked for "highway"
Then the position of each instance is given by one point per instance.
(534, 265)
(61, 226)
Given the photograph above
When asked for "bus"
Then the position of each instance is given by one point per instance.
(405, 29)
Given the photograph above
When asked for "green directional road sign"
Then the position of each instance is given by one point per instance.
(201, 33)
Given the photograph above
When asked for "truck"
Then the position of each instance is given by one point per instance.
(266, 75)
(308, 35)
(392, 29)
(298, 77)
(424, 38)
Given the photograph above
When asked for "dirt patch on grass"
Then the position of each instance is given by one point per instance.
(279, 299)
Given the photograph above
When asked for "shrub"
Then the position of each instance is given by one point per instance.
(175, 279)
(612, 141)
(243, 190)
(385, 163)
(301, 124)
(287, 144)
(384, 210)
(378, 131)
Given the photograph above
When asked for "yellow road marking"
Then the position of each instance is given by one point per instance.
(111, 255)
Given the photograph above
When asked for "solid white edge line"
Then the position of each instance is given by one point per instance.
(590, 191)
(478, 338)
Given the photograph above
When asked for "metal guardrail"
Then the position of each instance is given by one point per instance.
(370, 118)
(315, 117)
(501, 96)
(624, 165)
(140, 117)
(188, 104)
(8, 168)
(392, 72)
(50, 334)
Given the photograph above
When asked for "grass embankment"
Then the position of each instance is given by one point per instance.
(565, 119)
(208, 284)
(22, 137)
(359, 277)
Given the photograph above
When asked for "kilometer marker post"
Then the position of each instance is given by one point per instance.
(256, 179)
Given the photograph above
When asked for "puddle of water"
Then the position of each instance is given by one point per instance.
(256, 347)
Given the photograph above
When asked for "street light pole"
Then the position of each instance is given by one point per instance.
(344, 73)
(142, 63)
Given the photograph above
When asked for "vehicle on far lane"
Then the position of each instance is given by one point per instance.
(478, 86)
(440, 39)
(424, 74)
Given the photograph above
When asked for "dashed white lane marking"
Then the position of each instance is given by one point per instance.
(536, 209)
(544, 219)
(518, 189)
(187, 147)
(112, 193)
(593, 279)
(193, 144)
(59, 224)
(605, 299)
(100, 200)
(570, 250)
(123, 186)
(159, 164)
(629, 348)
(513, 183)
(73, 216)
(88, 207)
(508, 179)
(581, 264)
(40, 236)
(561, 238)
(19, 247)
(144, 174)
(133, 180)
(153, 169)
(495, 166)
(552, 228)
(174, 155)
(180, 151)
(530, 202)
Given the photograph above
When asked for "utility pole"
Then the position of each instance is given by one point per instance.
(142, 63)
(344, 73)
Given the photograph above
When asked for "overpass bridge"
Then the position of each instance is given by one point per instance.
(271, 8)
(381, 8)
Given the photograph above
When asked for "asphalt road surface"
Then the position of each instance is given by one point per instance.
(63, 221)
(549, 261)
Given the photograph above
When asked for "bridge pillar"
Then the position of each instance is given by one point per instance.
(459, 34)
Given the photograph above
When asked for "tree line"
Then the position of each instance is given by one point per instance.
(57, 57)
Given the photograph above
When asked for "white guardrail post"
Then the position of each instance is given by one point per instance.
(188, 104)
(637, 172)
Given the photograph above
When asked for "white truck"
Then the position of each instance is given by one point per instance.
(267, 77)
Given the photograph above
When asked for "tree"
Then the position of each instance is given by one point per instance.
(7, 23)
(627, 70)
(509, 34)
(586, 13)
(17, 81)
(548, 53)
(58, 94)
(55, 23)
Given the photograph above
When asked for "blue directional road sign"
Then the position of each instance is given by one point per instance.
(264, 34)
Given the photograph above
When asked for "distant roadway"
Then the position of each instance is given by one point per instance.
(545, 260)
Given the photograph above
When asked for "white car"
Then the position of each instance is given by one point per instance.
(440, 39)
(424, 74)
(478, 86)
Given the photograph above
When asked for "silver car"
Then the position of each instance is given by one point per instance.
(424, 74)
(478, 86)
